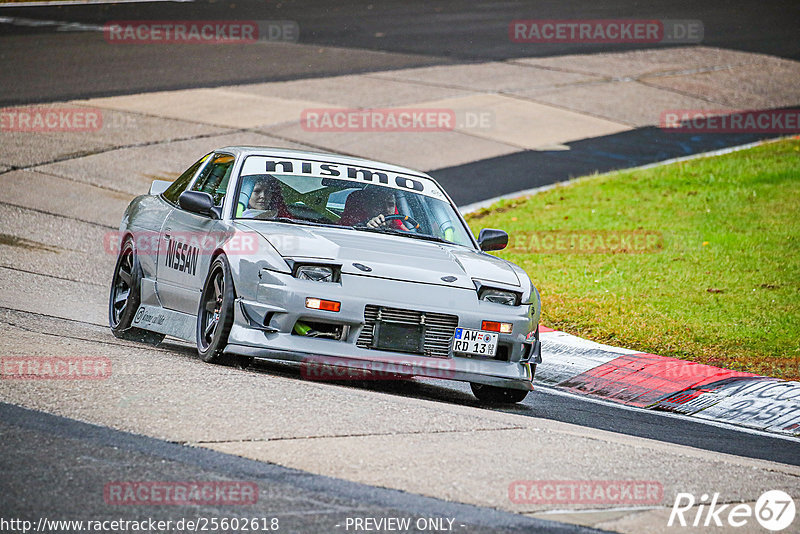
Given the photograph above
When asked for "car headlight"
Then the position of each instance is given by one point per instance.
(316, 273)
(498, 296)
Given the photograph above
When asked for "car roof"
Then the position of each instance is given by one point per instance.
(327, 156)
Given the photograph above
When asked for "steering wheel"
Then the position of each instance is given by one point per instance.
(411, 223)
(414, 225)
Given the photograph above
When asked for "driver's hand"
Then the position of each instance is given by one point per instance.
(377, 221)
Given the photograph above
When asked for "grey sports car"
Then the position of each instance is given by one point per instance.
(331, 261)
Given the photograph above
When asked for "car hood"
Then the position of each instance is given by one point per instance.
(388, 256)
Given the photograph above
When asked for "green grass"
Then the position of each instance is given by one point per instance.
(723, 285)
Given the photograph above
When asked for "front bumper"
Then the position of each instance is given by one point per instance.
(263, 328)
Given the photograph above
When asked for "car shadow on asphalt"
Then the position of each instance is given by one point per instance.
(438, 390)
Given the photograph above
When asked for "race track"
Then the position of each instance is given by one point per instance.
(323, 452)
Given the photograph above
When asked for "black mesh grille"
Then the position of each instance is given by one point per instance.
(438, 327)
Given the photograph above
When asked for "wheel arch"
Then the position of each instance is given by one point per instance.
(219, 251)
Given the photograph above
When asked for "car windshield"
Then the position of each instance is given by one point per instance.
(359, 199)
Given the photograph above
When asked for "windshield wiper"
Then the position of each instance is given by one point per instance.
(426, 237)
(393, 231)
(301, 221)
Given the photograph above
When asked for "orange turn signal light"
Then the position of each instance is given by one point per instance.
(321, 304)
(494, 326)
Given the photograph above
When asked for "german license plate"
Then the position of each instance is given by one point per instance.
(475, 342)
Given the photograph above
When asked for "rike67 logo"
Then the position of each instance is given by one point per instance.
(774, 510)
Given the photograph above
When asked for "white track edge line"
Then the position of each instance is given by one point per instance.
(81, 3)
(599, 510)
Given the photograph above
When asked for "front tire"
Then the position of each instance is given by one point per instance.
(215, 316)
(497, 395)
(125, 297)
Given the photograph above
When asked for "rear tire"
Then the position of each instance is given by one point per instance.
(497, 395)
(125, 296)
(215, 315)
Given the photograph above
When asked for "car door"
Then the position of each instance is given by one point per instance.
(188, 239)
(155, 218)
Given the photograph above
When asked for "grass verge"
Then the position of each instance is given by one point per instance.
(698, 260)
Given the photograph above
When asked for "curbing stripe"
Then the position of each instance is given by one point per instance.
(563, 362)
(763, 402)
(644, 379)
(764, 414)
(668, 384)
(562, 338)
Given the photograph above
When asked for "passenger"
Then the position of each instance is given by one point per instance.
(266, 200)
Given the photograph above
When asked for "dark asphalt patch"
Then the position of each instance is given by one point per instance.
(57, 468)
(502, 175)
(342, 38)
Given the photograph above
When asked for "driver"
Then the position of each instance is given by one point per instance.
(371, 206)
(383, 203)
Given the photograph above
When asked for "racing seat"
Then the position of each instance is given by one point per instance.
(355, 209)
(217, 182)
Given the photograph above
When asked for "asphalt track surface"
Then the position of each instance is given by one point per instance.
(550, 403)
(64, 473)
(343, 37)
(350, 37)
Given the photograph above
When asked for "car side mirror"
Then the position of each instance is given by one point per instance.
(492, 239)
(198, 202)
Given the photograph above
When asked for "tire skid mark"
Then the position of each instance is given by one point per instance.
(79, 155)
(131, 345)
(359, 435)
(45, 212)
(48, 275)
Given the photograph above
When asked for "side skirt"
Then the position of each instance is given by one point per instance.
(169, 322)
